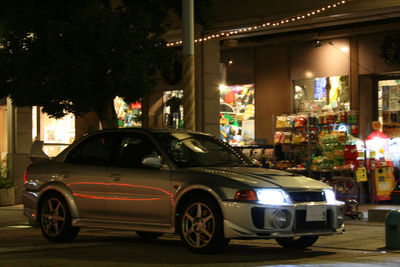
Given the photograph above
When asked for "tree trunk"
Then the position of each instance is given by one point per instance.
(107, 115)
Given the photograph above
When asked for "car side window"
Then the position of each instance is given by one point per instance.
(133, 149)
(94, 151)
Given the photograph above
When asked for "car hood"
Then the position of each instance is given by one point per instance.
(261, 177)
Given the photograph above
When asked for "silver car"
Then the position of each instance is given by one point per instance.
(162, 181)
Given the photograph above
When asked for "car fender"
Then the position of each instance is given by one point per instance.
(64, 191)
(186, 190)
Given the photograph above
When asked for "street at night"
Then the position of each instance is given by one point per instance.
(362, 245)
(200, 133)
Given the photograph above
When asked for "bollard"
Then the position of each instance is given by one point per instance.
(392, 227)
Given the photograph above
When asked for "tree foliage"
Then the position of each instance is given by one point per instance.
(390, 49)
(75, 56)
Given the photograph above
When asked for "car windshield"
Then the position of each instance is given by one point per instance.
(198, 150)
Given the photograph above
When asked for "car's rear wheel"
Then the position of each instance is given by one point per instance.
(201, 225)
(148, 235)
(55, 220)
(297, 242)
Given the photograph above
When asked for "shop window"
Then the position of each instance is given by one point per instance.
(322, 93)
(389, 116)
(173, 109)
(389, 107)
(237, 110)
(57, 134)
(129, 115)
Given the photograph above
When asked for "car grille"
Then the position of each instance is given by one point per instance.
(308, 196)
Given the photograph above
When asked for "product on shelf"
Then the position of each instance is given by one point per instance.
(332, 132)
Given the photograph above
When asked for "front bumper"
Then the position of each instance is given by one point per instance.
(247, 220)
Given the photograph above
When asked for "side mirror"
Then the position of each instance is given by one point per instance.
(152, 162)
(37, 152)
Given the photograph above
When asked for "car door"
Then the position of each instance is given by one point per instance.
(85, 170)
(137, 193)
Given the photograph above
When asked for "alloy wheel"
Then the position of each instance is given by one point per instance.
(198, 225)
(53, 217)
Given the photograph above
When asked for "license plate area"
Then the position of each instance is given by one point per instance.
(316, 213)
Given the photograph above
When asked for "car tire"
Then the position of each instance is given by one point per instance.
(201, 225)
(55, 219)
(297, 242)
(148, 235)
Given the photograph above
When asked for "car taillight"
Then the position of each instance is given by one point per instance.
(26, 177)
(246, 195)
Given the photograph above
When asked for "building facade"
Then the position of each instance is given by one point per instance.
(265, 50)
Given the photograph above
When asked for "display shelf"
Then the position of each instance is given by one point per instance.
(313, 141)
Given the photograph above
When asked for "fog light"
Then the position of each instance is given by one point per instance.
(280, 218)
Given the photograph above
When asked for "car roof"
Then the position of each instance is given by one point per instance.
(145, 130)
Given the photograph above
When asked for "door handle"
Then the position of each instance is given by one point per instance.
(115, 177)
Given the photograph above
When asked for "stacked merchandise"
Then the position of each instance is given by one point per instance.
(331, 131)
(293, 130)
(337, 152)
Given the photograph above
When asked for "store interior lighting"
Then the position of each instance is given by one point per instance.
(344, 49)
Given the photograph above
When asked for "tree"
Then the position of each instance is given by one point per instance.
(75, 56)
(390, 49)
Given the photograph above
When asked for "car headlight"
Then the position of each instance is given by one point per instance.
(263, 196)
(272, 197)
(330, 196)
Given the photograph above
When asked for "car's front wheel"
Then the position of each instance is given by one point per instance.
(297, 242)
(201, 225)
(55, 220)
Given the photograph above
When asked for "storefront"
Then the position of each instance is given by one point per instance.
(322, 93)
(172, 109)
(128, 115)
(317, 105)
(56, 134)
(237, 110)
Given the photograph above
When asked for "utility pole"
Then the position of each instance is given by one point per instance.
(188, 65)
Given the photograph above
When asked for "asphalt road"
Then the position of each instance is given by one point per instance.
(362, 245)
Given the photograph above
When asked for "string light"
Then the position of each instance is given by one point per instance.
(227, 33)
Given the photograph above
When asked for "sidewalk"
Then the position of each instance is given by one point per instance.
(12, 215)
(377, 212)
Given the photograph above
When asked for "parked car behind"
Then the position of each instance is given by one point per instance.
(163, 181)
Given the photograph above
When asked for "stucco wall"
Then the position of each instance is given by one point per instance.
(328, 59)
(272, 89)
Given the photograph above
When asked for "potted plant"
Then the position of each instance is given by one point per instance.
(7, 190)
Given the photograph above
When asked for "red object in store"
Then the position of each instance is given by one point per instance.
(350, 152)
(230, 97)
(377, 134)
(344, 117)
(354, 130)
(136, 105)
(380, 165)
(300, 121)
